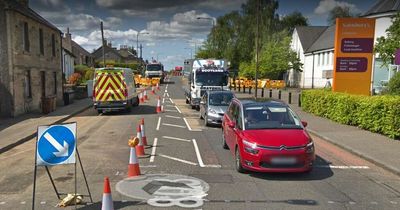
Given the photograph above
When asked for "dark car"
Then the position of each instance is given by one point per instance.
(267, 136)
(213, 106)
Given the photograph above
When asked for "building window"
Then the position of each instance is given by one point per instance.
(28, 87)
(55, 82)
(41, 41)
(43, 83)
(25, 35)
(53, 45)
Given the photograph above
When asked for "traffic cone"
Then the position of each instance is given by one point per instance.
(145, 95)
(158, 86)
(144, 138)
(141, 97)
(162, 109)
(133, 167)
(107, 202)
(153, 90)
(139, 148)
(158, 109)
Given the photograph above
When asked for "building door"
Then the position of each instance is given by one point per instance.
(43, 83)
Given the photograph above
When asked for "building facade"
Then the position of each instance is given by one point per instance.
(67, 55)
(81, 56)
(30, 59)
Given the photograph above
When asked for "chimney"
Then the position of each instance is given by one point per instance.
(109, 44)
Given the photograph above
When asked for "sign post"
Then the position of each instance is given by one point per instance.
(56, 145)
(354, 42)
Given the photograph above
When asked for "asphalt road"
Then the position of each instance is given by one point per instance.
(188, 168)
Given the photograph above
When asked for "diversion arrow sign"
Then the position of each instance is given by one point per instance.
(56, 144)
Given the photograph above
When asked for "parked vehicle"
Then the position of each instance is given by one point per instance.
(114, 89)
(206, 75)
(213, 106)
(267, 136)
(155, 69)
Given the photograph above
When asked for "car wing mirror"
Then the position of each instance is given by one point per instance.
(304, 123)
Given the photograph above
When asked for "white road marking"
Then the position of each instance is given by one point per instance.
(171, 100)
(166, 87)
(331, 202)
(168, 94)
(158, 124)
(165, 91)
(173, 125)
(177, 159)
(148, 166)
(153, 150)
(2, 203)
(163, 100)
(212, 166)
(43, 202)
(168, 105)
(342, 167)
(374, 203)
(23, 202)
(169, 110)
(393, 202)
(188, 126)
(175, 117)
(174, 138)
(178, 109)
(196, 148)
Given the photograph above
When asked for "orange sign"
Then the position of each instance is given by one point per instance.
(354, 43)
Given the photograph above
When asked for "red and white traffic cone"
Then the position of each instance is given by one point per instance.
(145, 95)
(144, 138)
(162, 109)
(158, 109)
(153, 90)
(133, 167)
(139, 148)
(107, 202)
(158, 86)
(141, 97)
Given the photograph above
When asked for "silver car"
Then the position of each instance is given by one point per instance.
(213, 105)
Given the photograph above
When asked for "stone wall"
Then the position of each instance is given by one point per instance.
(5, 94)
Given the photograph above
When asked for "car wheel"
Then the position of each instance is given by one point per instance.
(206, 120)
(238, 162)
(224, 145)
(187, 101)
(193, 106)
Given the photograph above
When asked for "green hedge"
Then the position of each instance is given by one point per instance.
(379, 114)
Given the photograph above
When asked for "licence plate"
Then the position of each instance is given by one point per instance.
(284, 160)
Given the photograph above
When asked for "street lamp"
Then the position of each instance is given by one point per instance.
(137, 42)
(207, 18)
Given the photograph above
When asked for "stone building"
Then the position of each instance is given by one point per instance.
(67, 55)
(82, 56)
(30, 59)
(112, 54)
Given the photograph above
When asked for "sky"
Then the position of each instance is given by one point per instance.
(168, 29)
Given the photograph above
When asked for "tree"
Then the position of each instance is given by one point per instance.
(292, 20)
(387, 46)
(339, 12)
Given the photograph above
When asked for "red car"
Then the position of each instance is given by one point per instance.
(266, 136)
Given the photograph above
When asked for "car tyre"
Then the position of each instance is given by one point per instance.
(136, 101)
(224, 145)
(238, 162)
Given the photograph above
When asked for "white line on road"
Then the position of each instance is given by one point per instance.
(188, 126)
(174, 138)
(171, 100)
(153, 150)
(169, 105)
(158, 124)
(168, 94)
(196, 148)
(165, 91)
(177, 159)
(163, 100)
(172, 125)
(178, 109)
(166, 87)
(342, 167)
(175, 117)
(148, 166)
(169, 110)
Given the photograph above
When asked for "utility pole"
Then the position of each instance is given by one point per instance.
(257, 47)
(102, 40)
(141, 50)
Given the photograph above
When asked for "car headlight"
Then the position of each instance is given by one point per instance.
(310, 147)
(212, 111)
(250, 147)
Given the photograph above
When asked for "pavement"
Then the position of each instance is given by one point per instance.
(376, 148)
(16, 131)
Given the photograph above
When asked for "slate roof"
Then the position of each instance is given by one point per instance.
(18, 7)
(325, 41)
(308, 34)
(383, 6)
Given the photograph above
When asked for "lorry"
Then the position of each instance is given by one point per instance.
(155, 69)
(205, 75)
(114, 89)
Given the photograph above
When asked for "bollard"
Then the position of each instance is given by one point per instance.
(250, 90)
(279, 94)
(290, 98)
(239, 87)
(299, 100)
(270, 93)
(262, 92)
(244, 88)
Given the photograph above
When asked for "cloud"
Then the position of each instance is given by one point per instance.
(325, 6)
(150, 44)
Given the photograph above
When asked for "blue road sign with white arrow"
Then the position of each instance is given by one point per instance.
(56, 144)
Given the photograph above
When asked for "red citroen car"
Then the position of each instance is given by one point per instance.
(266, 136)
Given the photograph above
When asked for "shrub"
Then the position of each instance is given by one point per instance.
(394, 85)
(379, 114)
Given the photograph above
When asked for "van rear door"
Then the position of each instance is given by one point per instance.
(110, 86)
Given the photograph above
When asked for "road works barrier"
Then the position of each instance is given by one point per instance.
(107, 202)
(158, 86)
(261, 83)
(141, 98)
(133, 167)
(145, 95)
(153, 90)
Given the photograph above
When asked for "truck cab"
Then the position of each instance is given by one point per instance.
(155, 69)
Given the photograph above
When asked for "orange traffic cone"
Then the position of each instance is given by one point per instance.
(139, 148)
(158, 86)
(158, 109)
(145, 95)
(162, 108)
(144, 138)
(153, 90)
(133, 167)
(107, 202)
(141, 97)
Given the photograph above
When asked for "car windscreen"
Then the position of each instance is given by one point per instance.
(220, 99)
(153, 67)
(270, 117)
(211, 79)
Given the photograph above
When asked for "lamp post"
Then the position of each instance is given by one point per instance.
(137, 41)
(191, 52)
